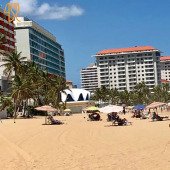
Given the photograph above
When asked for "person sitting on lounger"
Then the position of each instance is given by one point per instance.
(155, 116)
(111, 116)
(136, 114)
(121, 122)
(94, 116)
(52, 121)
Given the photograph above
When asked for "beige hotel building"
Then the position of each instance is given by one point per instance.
(165, 68)
(123, 68)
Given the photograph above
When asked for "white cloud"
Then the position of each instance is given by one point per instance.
(47, 11)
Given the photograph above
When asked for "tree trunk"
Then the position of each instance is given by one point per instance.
(15, 110)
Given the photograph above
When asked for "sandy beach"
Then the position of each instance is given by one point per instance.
(83, 145)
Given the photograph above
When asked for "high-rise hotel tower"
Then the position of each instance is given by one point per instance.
(40, 46)
(123, 68)
(6, 30)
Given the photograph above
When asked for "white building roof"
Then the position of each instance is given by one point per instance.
(75, 94)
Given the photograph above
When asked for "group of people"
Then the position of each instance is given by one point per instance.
(114, 117)
(140, 114)
(116, 120)
(146, 115)
(94, 116)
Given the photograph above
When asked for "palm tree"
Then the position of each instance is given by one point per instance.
(114, 96)
(165, 88)
(143, 93)
(21, 90)
(13, 62)
(125, 97)
(97, 95)
(101, 94)
(5, 102)
(161, 93)
(157, 93)
(57, 85)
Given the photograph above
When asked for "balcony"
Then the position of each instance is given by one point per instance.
(122, 78)
(104, 70)
(101, 64)
(132, 80)
(152, 75)
(121, 66)
(132, 61)
(104, 75)
(121, 73)
(132, 68)
(120, 62)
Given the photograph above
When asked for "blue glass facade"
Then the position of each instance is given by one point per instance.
(47, 53)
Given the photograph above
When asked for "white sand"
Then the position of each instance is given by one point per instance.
(84, 145)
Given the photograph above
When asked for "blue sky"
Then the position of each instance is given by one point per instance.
(94, 25)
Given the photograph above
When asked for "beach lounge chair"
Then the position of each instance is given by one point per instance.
(156, 117)
(52, 121)
(143, 116)
(136, 114)
(94, 116)
(121, 122)
(111, 116)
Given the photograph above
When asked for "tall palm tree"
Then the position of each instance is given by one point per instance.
(21, 90)
(57, 85)
(101, 94)
(125, 97)
(165, 89)
(143, 93)
(114, 96)
(13, 62)
(157, 93)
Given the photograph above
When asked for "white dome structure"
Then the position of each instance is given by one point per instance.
(75, 95)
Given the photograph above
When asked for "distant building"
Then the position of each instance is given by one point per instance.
(165, 68)
(165, 81)
(40, 46)
(75, 95)
(123, 68)
(89, 79)
(75, 86)
(69, 84)
(76, 99)
(7, 29)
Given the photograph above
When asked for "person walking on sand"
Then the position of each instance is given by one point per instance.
(124, 112)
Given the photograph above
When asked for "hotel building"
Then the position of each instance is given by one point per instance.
(7, 29)
(89, 80)
(40, 46)
(123, 68)
(165, 68)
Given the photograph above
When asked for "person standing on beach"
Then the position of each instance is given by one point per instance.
(124, 112)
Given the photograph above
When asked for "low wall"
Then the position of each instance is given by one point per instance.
(77, 107)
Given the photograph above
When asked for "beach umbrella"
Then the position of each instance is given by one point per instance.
(155, 104)
(46, 108)
(111, 108)
(92, 108)
(139, 107)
